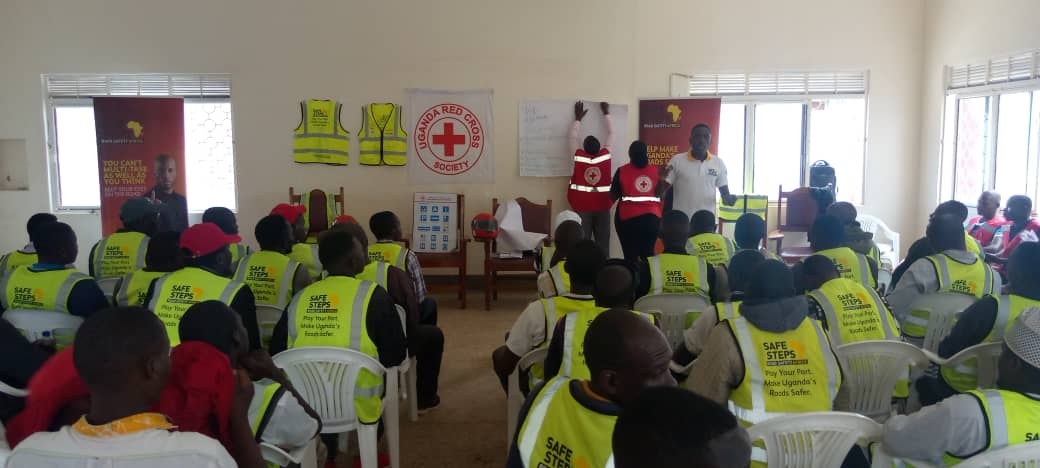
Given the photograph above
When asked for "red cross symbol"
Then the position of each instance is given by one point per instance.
(643, 184)
(449, 139)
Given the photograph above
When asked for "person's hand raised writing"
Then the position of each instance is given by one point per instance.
(580, 110)
(605, 107)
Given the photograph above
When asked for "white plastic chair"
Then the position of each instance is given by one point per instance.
(108, 285)
(675, 313)
(1015, 456)
(305, 457)
(409, 369)
(812, 440)
(887, 240)
(515, 400)
(943, 309)
(884, 281)
(38, 324)
(325, 377)
(986, 356)
(266, 318)
(872, 369)
(881, 459)
(12, 391)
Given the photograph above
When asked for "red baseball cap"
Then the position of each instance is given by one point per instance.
(345, 219)
(206, 238)
(289, 212)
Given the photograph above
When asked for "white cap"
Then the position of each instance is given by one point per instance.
(1024, 337)
(566, 215)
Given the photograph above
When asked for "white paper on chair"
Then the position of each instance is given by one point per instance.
(512, 239)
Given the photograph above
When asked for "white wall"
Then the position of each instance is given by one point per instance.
(357, 52)
(959, 32)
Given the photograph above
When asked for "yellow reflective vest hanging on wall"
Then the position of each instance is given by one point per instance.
(320, 137)
(382, 140)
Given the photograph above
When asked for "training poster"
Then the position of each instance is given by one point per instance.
(452, 136)
(435, 223)
(665, 124)
(141, 154)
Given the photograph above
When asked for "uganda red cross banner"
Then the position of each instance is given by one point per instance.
(452, 137)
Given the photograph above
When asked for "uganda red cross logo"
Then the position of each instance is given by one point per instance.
(449, 139)
(643, 184)
(592, 175)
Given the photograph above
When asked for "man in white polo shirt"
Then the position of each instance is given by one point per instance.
(696, 174)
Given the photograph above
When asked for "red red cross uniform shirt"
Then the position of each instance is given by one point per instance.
(590, 182)
(638, 191)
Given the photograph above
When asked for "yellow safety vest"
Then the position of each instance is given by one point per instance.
(545, 258)
(175, 292)
(269, 275)
(119, 254)
(971, 245)
(334, 312)
(133, 288)
(851, 265)
(560, 278)
(16, 259)
(382, 138)
(975, 279)
(964, 376)
(727, 310)
(1011, 417)
(555, 308)
(320, 137)
(875, 253)
(376, 272)
(754, 204)
(23, 288)
(307, 255)
(330, 212)
(713, 248)
(389, 252)
(678, 274)
(560, 431)
(854, 312)
(238, 252)
(266, 394)
(575, 327)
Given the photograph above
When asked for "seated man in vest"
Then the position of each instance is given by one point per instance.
(675, 428)
(341, 298)
(921, 248)
(856, 238)
(425, 342)
(226, 221)
(124, 251)
(749, 233)
(773, 325)
(273, 277)
(984, 227)
(545, 256)
(1021, 228)
(566, 422)
(555, 281)
(50, 284)
(986, 321)
(302, 252)
(675, 270)
(533, 328)
(706, 243)
(953, 270)
(848, 311)
(387, 230)
(26, 255)
(827, 238)
(123, 356)
(978, 421)
(206, 276)
(164, 256)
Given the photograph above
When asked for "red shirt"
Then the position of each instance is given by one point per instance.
(984, 230)
(638, 191)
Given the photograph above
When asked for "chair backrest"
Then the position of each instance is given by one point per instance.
(266, 317)
(108, 285)
(39, 324)
(325, 377)
(403, 315)
(882, 233)
(942, 309)
(1015, 456)
(986, 356)
(872, 369)
(675, 313)
(884, 281)
(318, 219)
(15, 392)
(801, 210)
(812, 440)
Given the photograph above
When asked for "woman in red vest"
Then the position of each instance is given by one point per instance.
(638, 216)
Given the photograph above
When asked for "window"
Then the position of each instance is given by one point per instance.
(209, 140)
(774, 125)
(992, 128)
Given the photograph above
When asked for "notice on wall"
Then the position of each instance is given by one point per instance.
(545, 124)
(435, 222)
(665, 125)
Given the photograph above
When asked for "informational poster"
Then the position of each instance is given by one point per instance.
(545, 147)
(141, 154)
(451, 136)
(435, 223)
(665, 124)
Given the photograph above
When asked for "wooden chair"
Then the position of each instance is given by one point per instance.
(799, 217)
(317, 223)
(456, 260)
(536, 218)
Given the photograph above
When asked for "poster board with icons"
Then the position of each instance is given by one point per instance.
(434, 222)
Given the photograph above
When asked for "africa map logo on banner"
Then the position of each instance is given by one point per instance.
(452, 136)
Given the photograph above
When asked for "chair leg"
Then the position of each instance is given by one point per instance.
(487, 287)
(392, 416)
(367, 445)
(412, 377)
(494, 285)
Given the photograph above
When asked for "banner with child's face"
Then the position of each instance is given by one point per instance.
(140, 154)
(665, 125)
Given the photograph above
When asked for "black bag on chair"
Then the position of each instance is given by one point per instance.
(821, 175)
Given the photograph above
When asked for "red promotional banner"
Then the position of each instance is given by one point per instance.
(665, 124)
(141, 154)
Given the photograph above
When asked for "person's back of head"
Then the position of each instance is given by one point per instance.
(591, 145)
(817, 270)
(749, 231)
(223, 217)
(952, 208)
(355, 230)
(615, 285)
(274, 233)
(741, 267)
(164, 252)
(1023, 270)
(676, 428)
(826, 232)
(675, 228)
(566, 235)
(122, 352)
(38, 220)
(626, 354)
(945, 232)
(637, 154)
(206, 246)
(384, 225)
(340, 254)
(770, 281)
(140, 215)
(844, 211)
(1019, 208)
(584, 260)
(702, 222)
(55, 243)
(214, 323)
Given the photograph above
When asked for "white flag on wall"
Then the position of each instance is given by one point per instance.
(451, 136)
